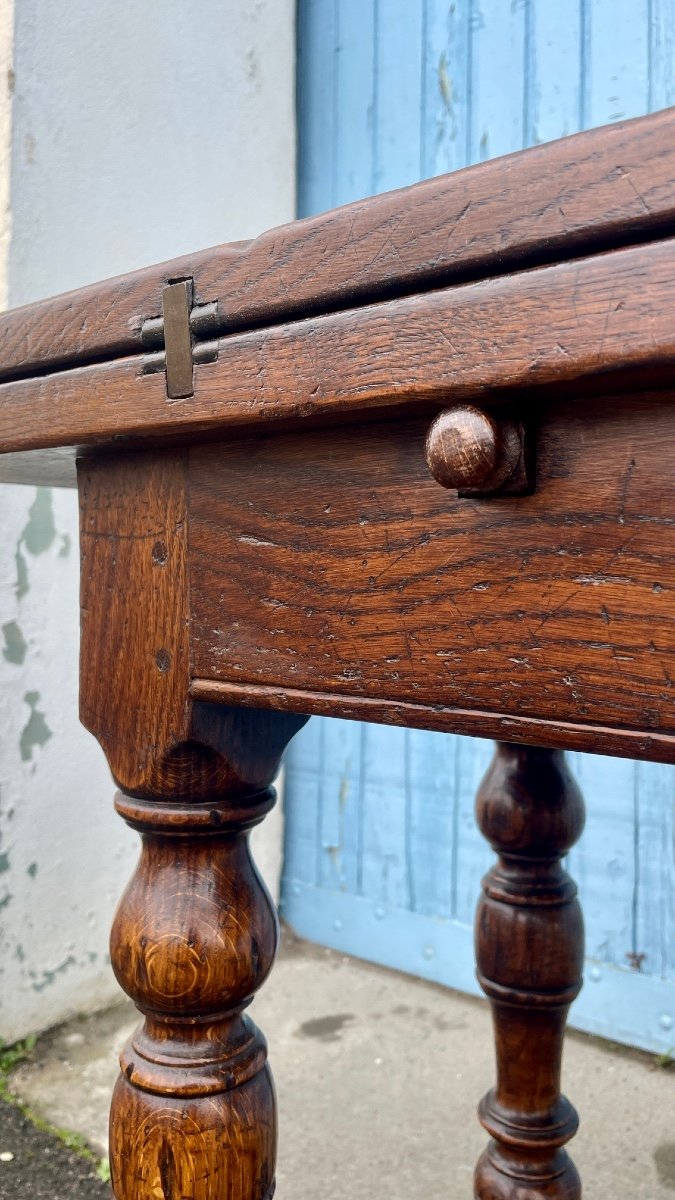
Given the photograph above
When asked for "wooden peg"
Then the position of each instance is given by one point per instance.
(477, 453)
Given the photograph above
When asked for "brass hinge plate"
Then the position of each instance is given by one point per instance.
(175, 337)
(176, 305)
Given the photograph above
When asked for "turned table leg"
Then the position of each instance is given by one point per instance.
(529, 950)
(193, 1114)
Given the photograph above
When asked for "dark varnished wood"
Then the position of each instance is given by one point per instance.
(135, 648)
(337, 566)
(600, 188)
(553, 325)
(193, 1112)
(529, 951)
(477, 453)
(593, 739)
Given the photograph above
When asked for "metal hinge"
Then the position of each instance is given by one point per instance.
(175, 338)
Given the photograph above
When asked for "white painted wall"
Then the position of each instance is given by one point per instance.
(138, 132)
(6, 93)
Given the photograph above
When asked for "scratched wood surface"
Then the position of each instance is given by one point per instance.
(597, 191)
(195, 933)
(593, 317)
(371, 580)
(382, 855)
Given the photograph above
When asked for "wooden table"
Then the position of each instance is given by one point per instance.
(411, 462)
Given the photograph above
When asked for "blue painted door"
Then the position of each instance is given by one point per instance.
(382, 856)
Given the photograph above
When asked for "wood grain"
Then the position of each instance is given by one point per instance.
(476, 454)
(133, 580)
(530, 954)
(553, 325)
(338, 567)
(135, 649)
(442, 718)
(597, 189)
(195, 933)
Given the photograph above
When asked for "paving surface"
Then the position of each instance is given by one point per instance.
(41, 1168)
(378, 1075)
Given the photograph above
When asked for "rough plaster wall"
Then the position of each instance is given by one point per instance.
(139, 131)
(6, 93)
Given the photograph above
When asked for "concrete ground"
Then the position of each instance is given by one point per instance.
(40, 1166)
(378, 1075)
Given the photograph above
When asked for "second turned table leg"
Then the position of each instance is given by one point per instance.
(529, 950)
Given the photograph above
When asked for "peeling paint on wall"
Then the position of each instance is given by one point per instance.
(15, 646)
(36, 731)
(40, 530)
(48, 977)
(37, 536)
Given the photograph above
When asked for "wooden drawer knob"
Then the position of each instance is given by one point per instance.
(472, 451)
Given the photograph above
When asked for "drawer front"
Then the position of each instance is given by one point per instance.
(330, 562)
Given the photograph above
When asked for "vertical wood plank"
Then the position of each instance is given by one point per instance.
(498, 53)
(617, 60)
(340, 834)
(304, 781)
(473, 855)
(446, 77)
(603, 863)
(385, 874)
(661, 54)
(554, 105)
(398, 93)
(354, 100)
(654, 891)
(316, 81)
(431, 832)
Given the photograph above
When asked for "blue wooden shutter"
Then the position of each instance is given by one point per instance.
(382, 856)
